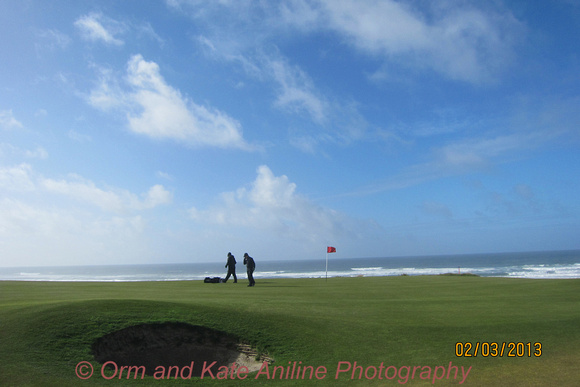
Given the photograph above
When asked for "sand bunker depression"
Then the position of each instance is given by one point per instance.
(174, 344)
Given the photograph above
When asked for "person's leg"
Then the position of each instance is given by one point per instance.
(251, 277)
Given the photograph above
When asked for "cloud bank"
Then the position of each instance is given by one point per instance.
(271, 203)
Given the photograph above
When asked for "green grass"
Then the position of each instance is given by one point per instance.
(46, 328)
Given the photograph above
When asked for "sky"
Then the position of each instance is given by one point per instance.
(173, 131)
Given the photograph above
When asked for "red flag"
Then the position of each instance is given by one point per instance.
(331, 249)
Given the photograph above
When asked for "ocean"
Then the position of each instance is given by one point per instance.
(546, 264)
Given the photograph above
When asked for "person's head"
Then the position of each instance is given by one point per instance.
(246, 255)
(229, 254)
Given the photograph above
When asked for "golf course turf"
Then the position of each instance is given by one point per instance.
(399, 330)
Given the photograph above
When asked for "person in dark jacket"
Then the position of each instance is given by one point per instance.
(231, 265)
(250, 266)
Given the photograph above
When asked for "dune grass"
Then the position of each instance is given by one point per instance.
(47, 328)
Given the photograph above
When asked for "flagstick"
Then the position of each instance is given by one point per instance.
(327, 265)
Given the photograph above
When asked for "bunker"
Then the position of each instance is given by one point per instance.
(173, 344)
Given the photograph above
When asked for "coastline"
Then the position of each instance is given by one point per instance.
(538, 265)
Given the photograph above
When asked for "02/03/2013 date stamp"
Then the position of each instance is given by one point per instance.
(495, 349)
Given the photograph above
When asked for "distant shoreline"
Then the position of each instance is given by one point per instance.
(553, 264)
(241, 280)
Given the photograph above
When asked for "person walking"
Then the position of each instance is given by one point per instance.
(231, 265)
(250, 266)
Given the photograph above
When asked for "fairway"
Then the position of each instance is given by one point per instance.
(398, 330)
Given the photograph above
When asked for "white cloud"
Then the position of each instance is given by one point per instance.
(462, 157)
(296, 93)
(147, 30)
(456, 40)
(18, 178)
(7, 120)
(156, 196)
(157, 110)
(269, 191)
(466, 42)
(301, 14)
(79, 137)
(96, 27)
(272, 205)
(305, 143)
(165, 113)
(296, 90)
(109, 200)
(9, 149)
(164, 175)
(21, 178)
(108, 95)
(38, 153)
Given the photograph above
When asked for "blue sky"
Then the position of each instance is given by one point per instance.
(179, 130)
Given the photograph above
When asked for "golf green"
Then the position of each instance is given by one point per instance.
(405, 330)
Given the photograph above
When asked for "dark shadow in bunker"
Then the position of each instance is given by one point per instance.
(173, 344)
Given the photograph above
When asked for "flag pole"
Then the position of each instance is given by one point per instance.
(327, 264)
